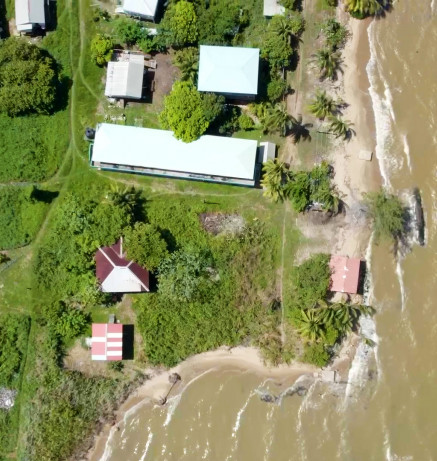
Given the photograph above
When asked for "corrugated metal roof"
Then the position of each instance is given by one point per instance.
(28, 12)
(160, 150)
(107, 341)
(272, 8)
(141, 7)
(117, 274)
(124, 79)
(345, 274)
(225, 69)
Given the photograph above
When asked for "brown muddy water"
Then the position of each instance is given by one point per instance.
(387, 408)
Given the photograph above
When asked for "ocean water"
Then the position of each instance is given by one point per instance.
(387, 408)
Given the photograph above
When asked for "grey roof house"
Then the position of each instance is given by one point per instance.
(273, 8)
(124, 79)
(231, 71)
(29, 14)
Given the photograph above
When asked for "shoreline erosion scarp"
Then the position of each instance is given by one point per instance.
(353, 177)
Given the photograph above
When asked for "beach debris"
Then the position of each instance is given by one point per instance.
(328, 376)
(7, 398)
(162, 401)
(365, 155)
(174, 378)
(268, 398)
(419, 218)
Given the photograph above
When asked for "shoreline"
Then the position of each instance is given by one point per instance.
(353, 178)
(240, 358)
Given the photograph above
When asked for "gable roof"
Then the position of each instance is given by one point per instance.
(117, 274)
(225, 69)
(107, 341)
(141, 7)
(345, 274)
(28, 12)
(272, 8)
(160, 150)
(124, 79)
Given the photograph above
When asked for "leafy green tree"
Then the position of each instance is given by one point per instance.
(245, 122)
(183, 274)
(101, 49)
(275, 178)
(220, 22)
(276, 89)
(328, 63)
(187, 61)
(335, 34)
(322, 191)
(145, 246)
(289, 4)
(130, 31)
(322, 105)
(212, 106)
(179, 25)
(27, 78)
(363, 8)
(341, 128)
(183, 112)
(387, 215)
(299, 191)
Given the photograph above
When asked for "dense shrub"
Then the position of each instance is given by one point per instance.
(21, 216)
(316, 354)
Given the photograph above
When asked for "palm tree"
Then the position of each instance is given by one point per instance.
(311, 325)
(283, 27)
(125, 197)
(277, 119)
(362, 8)
(341, 128)
(328, 62)
(276, 175)
(187, 61)
(322, 105)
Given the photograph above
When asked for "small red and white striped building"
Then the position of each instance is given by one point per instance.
(107, 341)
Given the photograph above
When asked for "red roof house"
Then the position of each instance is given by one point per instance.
(345, 274)
(117, 274)
(107, 341)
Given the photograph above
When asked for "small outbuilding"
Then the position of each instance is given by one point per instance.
(267, 150)
(30, 15)
(117, 274)
(230, 71)
(143, 9)
(273, 8)
(345, 274)
(107, 341)
(124, 79)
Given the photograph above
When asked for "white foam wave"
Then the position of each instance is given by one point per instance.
(383, 112)
(172, 404)
(400, 275)
(407, 151)
(368, 347)
(148, 443)
(239, 414)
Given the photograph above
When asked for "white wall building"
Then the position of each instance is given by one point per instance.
(124, 79)
(143, 9)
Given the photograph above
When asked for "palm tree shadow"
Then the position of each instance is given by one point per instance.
(299, 131)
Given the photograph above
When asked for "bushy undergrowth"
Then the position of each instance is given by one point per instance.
(14, 331)
(22, 212)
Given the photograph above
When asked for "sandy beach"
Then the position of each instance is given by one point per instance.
(353, 178)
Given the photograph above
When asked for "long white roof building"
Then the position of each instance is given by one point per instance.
(145, 9)
(228, 70)
(158, 152)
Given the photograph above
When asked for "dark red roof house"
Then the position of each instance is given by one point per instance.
(107, 341)
(345, 274)
(117, 274)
